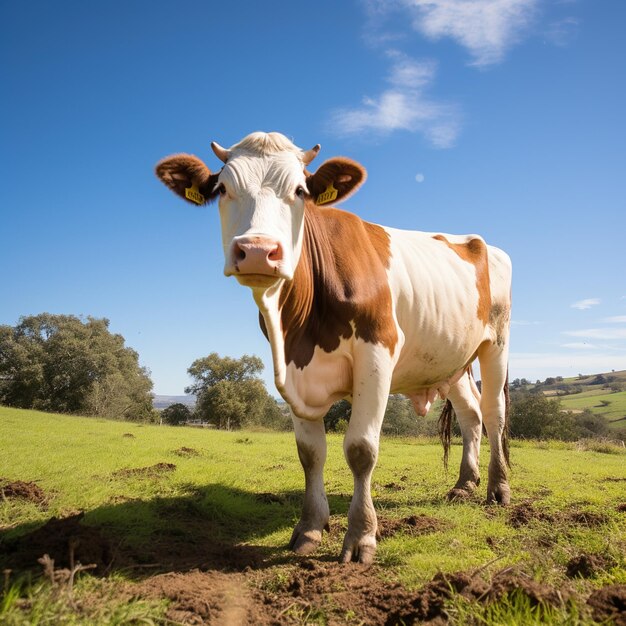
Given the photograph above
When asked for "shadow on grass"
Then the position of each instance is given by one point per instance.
(215, 527)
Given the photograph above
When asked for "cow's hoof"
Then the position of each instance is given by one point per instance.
(358, 550)
(305, 540)
(458, 495)
(463, 490)
(498, 494)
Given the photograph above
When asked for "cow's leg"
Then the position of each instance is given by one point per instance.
(465, 399)
(311, 441)
(493, 369)
(371, 382)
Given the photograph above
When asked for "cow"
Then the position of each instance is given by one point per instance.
(356, 310)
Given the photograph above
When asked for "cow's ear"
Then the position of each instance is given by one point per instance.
(335, 180)
(187, 176)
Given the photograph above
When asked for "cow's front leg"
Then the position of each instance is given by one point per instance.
(311, 441)
(372, 378)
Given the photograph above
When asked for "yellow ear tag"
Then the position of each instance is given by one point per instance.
(192, 193)
(327, 196)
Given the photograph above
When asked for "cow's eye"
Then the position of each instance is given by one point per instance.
(300, 191)
(221, 189)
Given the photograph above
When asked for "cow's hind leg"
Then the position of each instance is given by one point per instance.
(311, 441)
(465, 400)
(493, 404)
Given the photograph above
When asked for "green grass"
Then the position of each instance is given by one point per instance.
(225, 487)
(616, 408)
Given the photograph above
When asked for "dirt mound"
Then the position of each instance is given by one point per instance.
(622, 507)
(525, 512)
(586, 565)
(609, 604)
(152, 471)
(184, 451)
(587, 518)
(128, 436)
(203, 597)
(23, 490)
(62, 539)
(412, 525)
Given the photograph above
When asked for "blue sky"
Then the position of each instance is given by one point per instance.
(498, 117)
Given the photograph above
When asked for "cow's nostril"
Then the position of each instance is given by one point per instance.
(275, 254)
(240, 253)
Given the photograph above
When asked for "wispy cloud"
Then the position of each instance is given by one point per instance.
(616, 319)
(539, 365)
(486, 28)
(404, 106)
(581, 305)
(579, 345)
(598, 333)
(562, 32)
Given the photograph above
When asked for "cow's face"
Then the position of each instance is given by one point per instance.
(262, 190)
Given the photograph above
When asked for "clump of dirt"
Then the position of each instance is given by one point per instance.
(614, 479)
(587, 518)
(23, 490)
(63, 539)
(609, 604)
(412, 525)
(202, 597)
(184, 451)
(525, 512)
(269, 498)
(152, 471)
(621, 507)
(586, 565)
(394, 486)
(128, 436)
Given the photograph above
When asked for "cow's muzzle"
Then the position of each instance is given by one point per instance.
(256, 255)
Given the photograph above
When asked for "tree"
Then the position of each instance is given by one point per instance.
(537, 417)
(176, 414)
(69, 364)
(338, 416)
(230, 394)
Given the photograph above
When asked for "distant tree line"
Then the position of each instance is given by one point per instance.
(67, 364)
(229, 395)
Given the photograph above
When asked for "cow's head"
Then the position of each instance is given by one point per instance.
(263, 189)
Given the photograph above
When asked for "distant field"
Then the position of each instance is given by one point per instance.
(187, 524)
(593, 400)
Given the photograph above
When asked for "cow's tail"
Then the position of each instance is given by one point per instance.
(445, 428)
(505, 430)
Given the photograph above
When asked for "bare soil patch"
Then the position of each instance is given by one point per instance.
(23, 490)
(525, 513)
(203, 597)
(412, 525)
(128, 436)
(586, 565)
(621, 507)
(152, 471)
(62, 539)
(609, 604)
(185, 451)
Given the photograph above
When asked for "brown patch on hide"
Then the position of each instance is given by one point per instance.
(475, 252)
(340, 282)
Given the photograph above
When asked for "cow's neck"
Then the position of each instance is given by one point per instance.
(339, 289)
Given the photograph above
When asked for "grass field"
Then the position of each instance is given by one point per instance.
(190, 526)
(615, 410)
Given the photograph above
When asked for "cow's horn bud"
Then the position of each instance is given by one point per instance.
(309, 155)
(221, 153)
